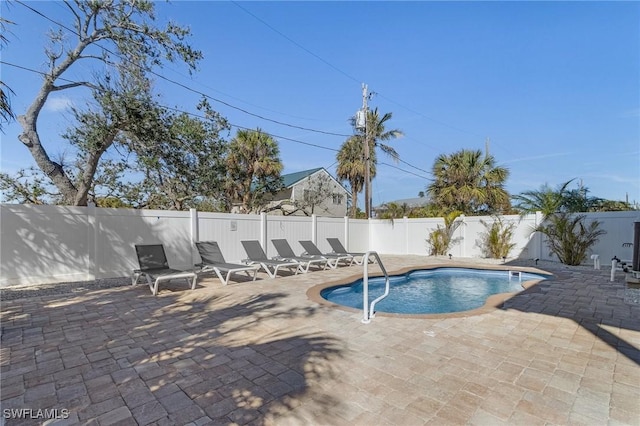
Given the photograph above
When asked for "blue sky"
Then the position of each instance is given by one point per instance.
(553, 86)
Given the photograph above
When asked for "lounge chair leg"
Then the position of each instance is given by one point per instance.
(154, 289)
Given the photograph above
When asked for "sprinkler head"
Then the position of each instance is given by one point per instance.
(449, 256)
(504, 259)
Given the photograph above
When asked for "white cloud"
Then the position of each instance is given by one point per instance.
(58, 104)
(537, 157)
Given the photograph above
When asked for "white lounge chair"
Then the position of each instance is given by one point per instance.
(256, 255)
(155, 267)
(213, 260)
(285, 252)
(311, 249)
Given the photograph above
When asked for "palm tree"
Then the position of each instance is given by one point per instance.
(376, 132)
(545, 200)
(470, 182)
(351, 161)
(253, 167)
(351, 166)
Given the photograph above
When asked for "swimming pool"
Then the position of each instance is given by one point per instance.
(431, 291)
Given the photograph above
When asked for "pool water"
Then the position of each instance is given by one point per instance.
(432, 291)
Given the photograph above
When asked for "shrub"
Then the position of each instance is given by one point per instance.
(569, 238)
(440, 239)
(496, 241)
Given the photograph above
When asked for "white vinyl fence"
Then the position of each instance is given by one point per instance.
(49, 244)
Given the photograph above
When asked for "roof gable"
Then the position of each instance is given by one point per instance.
(293, 178)
(289, 180)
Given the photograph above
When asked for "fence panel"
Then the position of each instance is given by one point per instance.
(228, 230)
(418, 231)
(118, 230)
(291, 228)
(619, 237)
(43, 244)
(329, 227)
(358, 236)
(48, 244)
(388, 237)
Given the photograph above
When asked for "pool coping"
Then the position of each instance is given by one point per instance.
(493, 302)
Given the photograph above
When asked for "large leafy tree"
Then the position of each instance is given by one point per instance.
(351, 161)
(187, 164)
(253, 169)
(123, 37)
(469, 182)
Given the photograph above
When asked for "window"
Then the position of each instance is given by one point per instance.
(337, 199)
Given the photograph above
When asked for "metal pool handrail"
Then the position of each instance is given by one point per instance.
(368, 312)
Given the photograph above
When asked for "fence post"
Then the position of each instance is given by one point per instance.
(406, 235)
(92, 240)
(463, 234)
(263, 230)
(538, 218)
(314, 229)
(346, 232)
(195, 234)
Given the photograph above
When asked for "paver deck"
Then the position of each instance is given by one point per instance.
(566, 351)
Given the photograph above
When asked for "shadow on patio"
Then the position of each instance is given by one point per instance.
(121, 354)
(587, 297)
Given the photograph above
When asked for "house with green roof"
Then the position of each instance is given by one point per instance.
(308, 192)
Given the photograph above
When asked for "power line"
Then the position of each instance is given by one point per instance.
(405, 171)
(297, 44)
(246, 128)
(185, 112)
(187, 87)
(215, 99)
(348, 75)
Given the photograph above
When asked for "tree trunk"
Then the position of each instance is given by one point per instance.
(50, 168)
(354, 201)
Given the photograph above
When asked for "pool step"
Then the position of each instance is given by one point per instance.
(514, 274)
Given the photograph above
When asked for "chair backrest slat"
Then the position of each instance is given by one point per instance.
(283, 248)
(310, 248)
(210, 252)
(151, 256)
(254, 250)
(336, 245)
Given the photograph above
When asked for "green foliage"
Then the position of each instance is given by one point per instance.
(470, 182)
(568, 237)
(27, 186)
(496, 241)
(187, 163)
(441, 238)
(548, 201)
(395, 211)
(253, 170)
(111, 202)
(134, 44)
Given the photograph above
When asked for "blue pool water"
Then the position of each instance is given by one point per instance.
(431, 291)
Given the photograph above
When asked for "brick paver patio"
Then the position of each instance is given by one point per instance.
(566, 351)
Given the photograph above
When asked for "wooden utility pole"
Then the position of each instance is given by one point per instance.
(367, 155)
